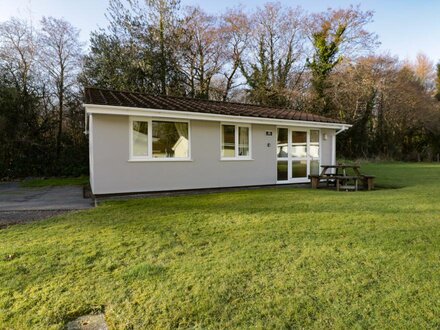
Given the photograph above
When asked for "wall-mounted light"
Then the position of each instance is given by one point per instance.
(325, 137)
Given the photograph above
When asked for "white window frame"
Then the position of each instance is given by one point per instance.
(236, 149)
(149, 157)
(289, 158)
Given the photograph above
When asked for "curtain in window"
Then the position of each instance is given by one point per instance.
(182, 129)
(243, 141)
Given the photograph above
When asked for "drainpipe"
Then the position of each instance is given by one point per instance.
(86, 123)
(344, 128)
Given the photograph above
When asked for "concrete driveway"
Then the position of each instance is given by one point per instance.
(19, 204)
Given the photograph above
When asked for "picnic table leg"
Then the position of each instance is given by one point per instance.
(370, 183)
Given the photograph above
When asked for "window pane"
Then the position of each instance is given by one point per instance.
(140, 138)
(314, 136)
(299, 137)
(243, 141)
(299, 144)
(314, 144)
(299, 169)
(228, 141)
(282, 136)
(314, 150)
(314, 167)
(282, 170)
(170, 139)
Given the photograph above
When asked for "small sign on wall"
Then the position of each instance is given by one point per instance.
(268, 133)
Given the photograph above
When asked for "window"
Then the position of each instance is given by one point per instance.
(298, 153)
(159, 139)
(140, 139)
(170, 139)
(299, 144)
(282, 142)
(235, 141)
(228, 141)
(314, 143)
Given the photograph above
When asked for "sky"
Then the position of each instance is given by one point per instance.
(405, 27)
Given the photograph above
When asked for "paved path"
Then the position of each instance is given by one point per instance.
(19, 205)
(15, 198)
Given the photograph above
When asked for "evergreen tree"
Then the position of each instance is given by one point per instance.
(335, 34)
(325, 58)
(137, 51)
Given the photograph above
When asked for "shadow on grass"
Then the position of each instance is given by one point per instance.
(385, 186)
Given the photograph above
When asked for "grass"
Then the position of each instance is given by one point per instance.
(265, 259)
(53, 182)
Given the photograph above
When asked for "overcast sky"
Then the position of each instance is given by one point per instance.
(405, 27)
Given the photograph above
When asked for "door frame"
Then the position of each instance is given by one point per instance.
(289, 157)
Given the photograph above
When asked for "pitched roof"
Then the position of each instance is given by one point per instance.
(100, 96)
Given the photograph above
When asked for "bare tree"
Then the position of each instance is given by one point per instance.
(17, 52)
(28, 139)
(60, 57)
(202, 50)
(274, 59)
(424, 70)
(437, 81)
(235, 27)
(390, 109)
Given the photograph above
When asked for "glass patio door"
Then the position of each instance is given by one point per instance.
(298, 154)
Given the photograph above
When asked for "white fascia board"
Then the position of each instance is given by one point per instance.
(146, 112)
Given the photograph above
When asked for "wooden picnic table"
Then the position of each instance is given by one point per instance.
(340, 179)
(340, 168)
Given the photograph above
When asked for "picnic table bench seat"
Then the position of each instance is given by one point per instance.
(316, 179)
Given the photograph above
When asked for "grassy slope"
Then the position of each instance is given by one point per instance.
(52, 182)
(273, 258)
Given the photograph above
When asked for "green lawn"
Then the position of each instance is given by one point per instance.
(266, 259)
(52, 182)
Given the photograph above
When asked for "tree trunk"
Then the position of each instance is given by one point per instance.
(60, 122)
(229, 80)
(60, 112)
(163, 71)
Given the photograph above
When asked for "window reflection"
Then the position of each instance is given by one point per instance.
(314, 144)
(299, 169)
(299, 144)
(235, 141)
(282, 170)
(282, 144)
(170, 139)
(228, 141)
(243, 141)
(140, 138)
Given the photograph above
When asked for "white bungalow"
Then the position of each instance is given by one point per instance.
(148, 143)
